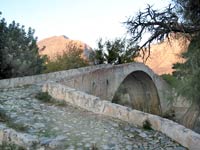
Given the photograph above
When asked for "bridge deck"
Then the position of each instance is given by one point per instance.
(68, 127)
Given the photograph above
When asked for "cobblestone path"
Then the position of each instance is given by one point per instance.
(71, 128)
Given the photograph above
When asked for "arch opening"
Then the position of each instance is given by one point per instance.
(138, 91)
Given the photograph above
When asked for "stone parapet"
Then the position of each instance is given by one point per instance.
(27, 141)
(54, 76)
(177, 132)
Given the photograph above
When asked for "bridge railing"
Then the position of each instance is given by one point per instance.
(177, 132)
(41, 78)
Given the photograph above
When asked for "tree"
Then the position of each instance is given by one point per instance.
(70, 59)
(99, 54)
(184, 18)
(18, 51)
(189, 11)
(188, 74)
(115, 52)
(159, 24)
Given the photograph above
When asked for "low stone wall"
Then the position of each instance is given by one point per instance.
(55, 76)
(22, 139)
(177, 132)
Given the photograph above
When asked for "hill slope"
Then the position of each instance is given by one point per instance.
(56, 45)
(165, 54)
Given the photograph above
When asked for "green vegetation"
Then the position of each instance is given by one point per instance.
(115, 52)
(46, 133)
(45, 97)
(171, 80)
(161, 24)
(60, 103)
(182, 17)
(17, 126)
(10, 146)
(94, 147)
(147, 125)
(170, 114)
(189, 71)
(10, 123)
(3, 117)
(18, 51)
(70, 59)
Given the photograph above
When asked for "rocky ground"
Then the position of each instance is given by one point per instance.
(60, 127)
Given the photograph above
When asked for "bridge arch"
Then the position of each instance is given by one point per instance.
(104, 82)
(138, 91)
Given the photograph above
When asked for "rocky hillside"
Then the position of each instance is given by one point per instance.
(165, 54)
(56, 45)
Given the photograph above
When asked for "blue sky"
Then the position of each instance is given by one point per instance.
(85, 20)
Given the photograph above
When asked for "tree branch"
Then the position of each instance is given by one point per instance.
(159, 24)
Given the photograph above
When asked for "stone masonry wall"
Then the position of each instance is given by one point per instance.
(177, 132)
(101, 80)
(22, 139)
(104, 82)
(55, 76)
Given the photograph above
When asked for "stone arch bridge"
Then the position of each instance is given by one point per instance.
(134, 84)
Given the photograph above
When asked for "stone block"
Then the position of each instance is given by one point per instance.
(193, 141)
(98, 106)
(182, 135)
(110, 110)
(155, 121)
(123, 112)
(137, 117)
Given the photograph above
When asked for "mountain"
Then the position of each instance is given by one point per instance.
(163, 55)
(57, 45)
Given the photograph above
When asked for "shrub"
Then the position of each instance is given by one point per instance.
(18, 51)
(10, 123)
(43, 96)
(147, 125)
(10, 146)
(171, 80)
(70, 59)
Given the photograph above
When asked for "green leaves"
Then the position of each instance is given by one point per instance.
(115, 52)
(18, 51)
(189, 72)
(70, 59)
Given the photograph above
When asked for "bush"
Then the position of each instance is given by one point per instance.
(10, 146)
(43, 96)
(147, 125)
(118, 51)
(171, 80)
(18, 51)
(10, 123)
(70, 59)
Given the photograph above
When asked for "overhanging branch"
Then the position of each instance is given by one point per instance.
(159, 24)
